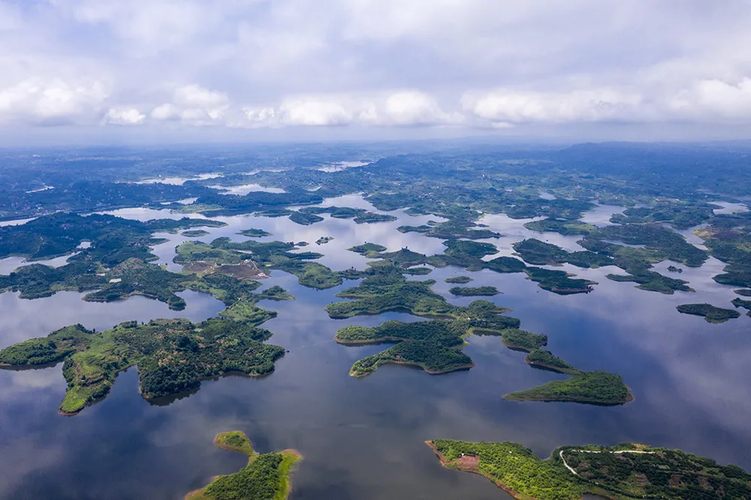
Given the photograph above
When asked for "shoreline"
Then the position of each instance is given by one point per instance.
(446, 464)
(416, 365)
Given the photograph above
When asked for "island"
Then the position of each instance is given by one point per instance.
(435, 346)
(476, 291)
(254, 233)
(172, 356)
(621, 472)
(459, 280)
(710, 313)
(266, 476)
(194, 233)
(370, 250)
(305, 218)
(323, 240)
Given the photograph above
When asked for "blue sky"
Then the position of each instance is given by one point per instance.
(244, 69)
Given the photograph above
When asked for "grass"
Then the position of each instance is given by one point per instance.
(265, 477)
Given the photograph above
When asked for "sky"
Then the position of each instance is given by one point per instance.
(237, 70)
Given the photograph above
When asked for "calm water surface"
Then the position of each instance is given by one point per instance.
(363, 438)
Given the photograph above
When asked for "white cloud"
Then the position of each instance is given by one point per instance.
(505, 106)
(313, 112)
(194, 105)
(49, 102)
(124, 116)
(385, 63)
(714, 99)
(415, 108)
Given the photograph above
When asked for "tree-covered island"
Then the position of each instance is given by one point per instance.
(266, 476)
(710, 313)
(436, 345)
(623, 472)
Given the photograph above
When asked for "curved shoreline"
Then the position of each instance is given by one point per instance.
(445, 463)
(416, 365)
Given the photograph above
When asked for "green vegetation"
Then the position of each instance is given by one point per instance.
(371, 218)
(621, 472)
(359, 215)
(598, 387)
(323, 240)
(541, 253)
(459, 280)
(540, 358)
(521, 340)
(432, 345)
(674, 269)
(561, 226)
(653, 282)
(710, 313)
(370, 250)
(304, 218)
(558, 282)
(418, 271)
(266, 477)
(477, 291)
(223, 254)
(255, 233)
(195, 233)
(172, 356)
(112, 239)
(387, 289)
(745, 304)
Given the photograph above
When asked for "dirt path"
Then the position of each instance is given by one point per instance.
(560, 454)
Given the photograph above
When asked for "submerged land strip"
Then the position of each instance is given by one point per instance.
(267, 476)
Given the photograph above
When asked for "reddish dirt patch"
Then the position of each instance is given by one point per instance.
(468, 462)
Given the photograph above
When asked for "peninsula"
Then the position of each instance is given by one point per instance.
(266, 476)
(621, 472)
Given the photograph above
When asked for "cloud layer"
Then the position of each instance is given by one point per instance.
(459, 64)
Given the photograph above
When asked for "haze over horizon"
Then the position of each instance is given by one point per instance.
(87, 71)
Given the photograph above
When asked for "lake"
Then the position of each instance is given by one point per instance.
(363, 438)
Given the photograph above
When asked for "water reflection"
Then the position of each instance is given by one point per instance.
(363, 438)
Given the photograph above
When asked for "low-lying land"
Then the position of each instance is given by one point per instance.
(623, 472)
(710, 313)
(458, 280)
(435, 345)
(266, 477)
(473, 291)
(172, 356)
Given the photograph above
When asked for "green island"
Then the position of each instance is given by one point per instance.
(370, 250)
(623, 472)
(254, 233)
(674, 269)
(711, 314)
(595, 387)
(323, 240)
(266, 476)
(172, 356)
(305, 218)
(458, 280)
(359, 215)
(435, 345)
(538, 252)
(560, 226)
(195, 233)
(745, 304)
(476, 291)
(222, 253)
